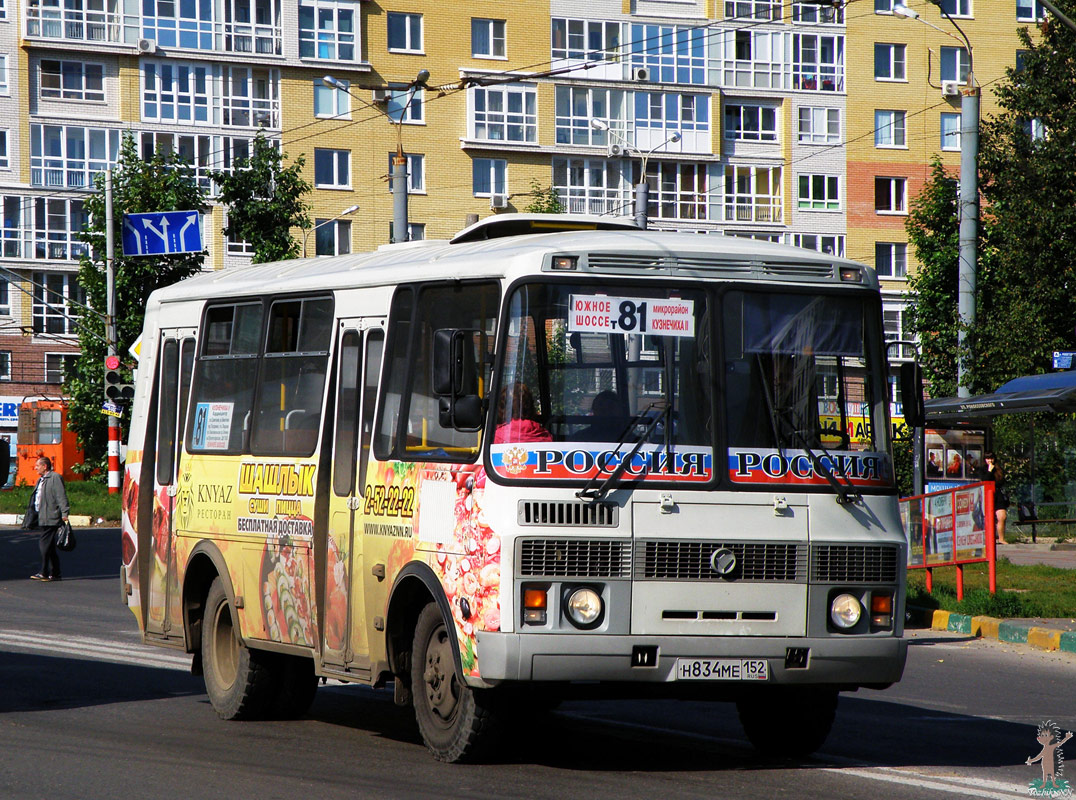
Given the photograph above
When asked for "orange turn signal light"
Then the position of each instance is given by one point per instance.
(881, 604)
(534, 598)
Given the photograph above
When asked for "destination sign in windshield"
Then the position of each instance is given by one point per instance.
(648, 315)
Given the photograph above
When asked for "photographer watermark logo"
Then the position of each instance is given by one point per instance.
(1052, 760)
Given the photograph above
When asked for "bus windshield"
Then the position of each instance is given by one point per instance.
(596, 376)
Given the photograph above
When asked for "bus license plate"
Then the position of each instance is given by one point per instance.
(722, 669)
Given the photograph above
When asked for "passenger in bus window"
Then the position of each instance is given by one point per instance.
(517, 417)
(607, 419)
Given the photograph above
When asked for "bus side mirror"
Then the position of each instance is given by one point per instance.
(911, 392)
(455, 379)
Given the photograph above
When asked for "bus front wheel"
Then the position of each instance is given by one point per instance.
(791, 721)
(239, 681)
(454, 719)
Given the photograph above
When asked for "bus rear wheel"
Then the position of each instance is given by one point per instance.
(790, 721)
(455, 720)
(238, 680)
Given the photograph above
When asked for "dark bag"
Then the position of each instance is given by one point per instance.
(29, 519)
(65, 537)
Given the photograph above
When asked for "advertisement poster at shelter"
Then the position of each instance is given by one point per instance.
(940, 529)
(970, 522)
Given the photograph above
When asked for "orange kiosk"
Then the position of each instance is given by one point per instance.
(43, 431)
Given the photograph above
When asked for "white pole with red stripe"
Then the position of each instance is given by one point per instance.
(110, 336)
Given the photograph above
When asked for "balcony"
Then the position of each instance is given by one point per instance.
(71, 23)
(760, 210)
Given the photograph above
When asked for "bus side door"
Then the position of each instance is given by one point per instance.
(173, 385)
(345, 639)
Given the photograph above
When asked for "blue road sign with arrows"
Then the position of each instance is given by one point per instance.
(162, 233)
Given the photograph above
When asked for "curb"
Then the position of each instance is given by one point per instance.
(1010, 631)
(77, 520)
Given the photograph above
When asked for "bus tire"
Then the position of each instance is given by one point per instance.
(454, 719)
(788, 721)
(297, 686)
(238, 680)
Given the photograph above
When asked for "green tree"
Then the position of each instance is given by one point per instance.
(163, 183)
(546, 200)
(265, 200)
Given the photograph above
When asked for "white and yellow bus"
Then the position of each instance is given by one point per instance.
(552, 457)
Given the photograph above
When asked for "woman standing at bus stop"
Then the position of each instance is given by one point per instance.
(993, 472)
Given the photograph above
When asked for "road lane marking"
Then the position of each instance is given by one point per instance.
(95, 648)
(967, 786)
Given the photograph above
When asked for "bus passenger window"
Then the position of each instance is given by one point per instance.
(224, 376)
(290, 389)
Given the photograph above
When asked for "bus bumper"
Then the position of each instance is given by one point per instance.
(842, 660)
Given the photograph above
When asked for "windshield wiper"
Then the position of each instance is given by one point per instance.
(596, 493)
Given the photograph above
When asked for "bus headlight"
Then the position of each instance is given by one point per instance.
(845, 611)
(584, 607)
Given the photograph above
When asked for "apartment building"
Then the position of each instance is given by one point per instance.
(786, 120)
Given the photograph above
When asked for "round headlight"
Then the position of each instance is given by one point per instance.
(584, 606)
(845, 611)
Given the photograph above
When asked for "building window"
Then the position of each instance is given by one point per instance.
(250, 97)
(4, 88)
(680, 191)
(752, 194)
(405, 105)
(505, 113)
(819, 193)
(176, 93)
(72, 80)
(955, 64)
(586, 40)
(591, 185)
(489, 176)
(58, 224)
(487, 38)
(819, 125)
(405, 33)
(416, 175)
(751, 123)
(332, 168)
(1034, 129)
(760, 10)
(1029, 11)
(332, 238)
(58, 366)
(576, 106)
(416, 232)
(818, 62)
(817, 13)
(330, 102)
(1021, 60)
(5, 298)
(665, 113)
(891, 195)
(831, 244)
(327, 30)
(5, 369)
(754, 59)
(891, 259)
(950, 131)
(69, 156)
(884, 6)
(4, 162)
(889, 62)
(889, 129)
(956, 8)
(670, 54)
(52, 293)
(893, 319)
(201, 152)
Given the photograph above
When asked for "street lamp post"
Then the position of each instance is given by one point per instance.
(642, 188)
(399, 161)
(312, 228)
(969, 198)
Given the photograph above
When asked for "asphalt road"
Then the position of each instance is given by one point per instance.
(86, 711)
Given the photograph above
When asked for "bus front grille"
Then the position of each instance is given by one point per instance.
(568, 514)
(574, 558)
(691, 561)
(854, 563)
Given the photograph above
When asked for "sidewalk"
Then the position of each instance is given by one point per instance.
(1044, 634)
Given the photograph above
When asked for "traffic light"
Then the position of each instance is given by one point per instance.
(117, 390)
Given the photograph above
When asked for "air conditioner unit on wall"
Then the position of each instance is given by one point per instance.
(615, 150)
(381, 95)
(950, 88)
(640, 74)
(498, 201)
(147, 45)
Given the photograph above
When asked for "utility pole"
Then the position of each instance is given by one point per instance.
(110, 333)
